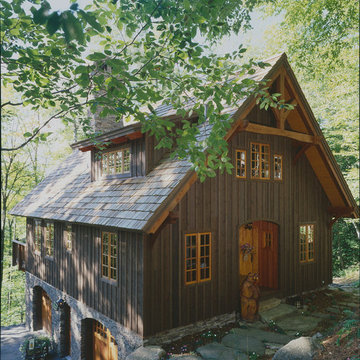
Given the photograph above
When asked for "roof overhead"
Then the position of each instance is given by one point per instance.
(143, 203)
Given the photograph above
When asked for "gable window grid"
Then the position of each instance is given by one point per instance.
(115, 162)
(306, 243)
(109, 255)
(260, 161)
(68, 238)
(49, 239)
(278, 169)
(37, 235)
(241, 164)
(197, 258)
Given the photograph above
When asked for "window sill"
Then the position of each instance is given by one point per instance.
(202, 282)
(109, 281)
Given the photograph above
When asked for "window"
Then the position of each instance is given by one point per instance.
(241, 164)
(277, 167)
(306, 243)
(109, 255)
(37, 235)
(197, 257)
(115, 162)
(103, 332)
(49, 239)
(260, 156)
(68, 238)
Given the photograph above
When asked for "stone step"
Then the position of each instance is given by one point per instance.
(268, 304)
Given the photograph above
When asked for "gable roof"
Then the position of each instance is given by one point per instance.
(143, 203)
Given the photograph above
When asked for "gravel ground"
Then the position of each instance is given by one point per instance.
(11, 339)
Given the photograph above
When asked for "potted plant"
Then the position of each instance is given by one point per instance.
(246, 250)
(37, 347)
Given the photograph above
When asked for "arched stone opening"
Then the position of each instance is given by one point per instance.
(41, 310)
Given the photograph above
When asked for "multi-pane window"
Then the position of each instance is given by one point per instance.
(241, 164)
(197, 257)
(109, 255)
(103, 332)
(277, 167)
(49, 239)
(306, 243)
(37, 235)
(68, 238)
(260, 161)
(115, 162)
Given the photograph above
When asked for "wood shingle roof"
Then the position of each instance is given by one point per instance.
(69, 195)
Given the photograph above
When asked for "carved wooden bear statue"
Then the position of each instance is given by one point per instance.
(250, 298)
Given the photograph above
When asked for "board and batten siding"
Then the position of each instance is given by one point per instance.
(78, 273)
(221, 205)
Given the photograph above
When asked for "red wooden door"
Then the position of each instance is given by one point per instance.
(268, 253)
(105, 347)
(46, 312)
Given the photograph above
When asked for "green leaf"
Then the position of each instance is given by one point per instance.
(53, 25)
(72, 27)
(40, 16)
(56, 52)
(74, 6)
(27, 134)
(91, 20)
(96, 56)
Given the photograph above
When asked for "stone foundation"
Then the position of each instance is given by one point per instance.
(171, 335)
(127, 340)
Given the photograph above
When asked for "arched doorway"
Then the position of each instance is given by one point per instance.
(258, 252)
(97, 342)
(41, 310)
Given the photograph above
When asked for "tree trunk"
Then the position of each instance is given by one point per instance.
(357, 229)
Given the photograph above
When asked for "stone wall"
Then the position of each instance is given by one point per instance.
(127, 340)
(106, 124)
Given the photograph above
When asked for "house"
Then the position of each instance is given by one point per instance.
(128, 243)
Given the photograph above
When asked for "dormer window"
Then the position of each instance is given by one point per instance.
(115, 162)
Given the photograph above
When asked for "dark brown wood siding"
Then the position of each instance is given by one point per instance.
(153, 155)
(221, 205)
(78, 273)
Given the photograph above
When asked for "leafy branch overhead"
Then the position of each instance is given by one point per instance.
(147, 54)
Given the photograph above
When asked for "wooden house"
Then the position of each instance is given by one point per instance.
(128, 243)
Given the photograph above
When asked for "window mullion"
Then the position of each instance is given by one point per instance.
(307, 243)
(198, 257)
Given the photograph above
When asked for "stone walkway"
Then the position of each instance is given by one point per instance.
(247, 339)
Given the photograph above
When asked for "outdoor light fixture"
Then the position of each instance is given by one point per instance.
(60, 304)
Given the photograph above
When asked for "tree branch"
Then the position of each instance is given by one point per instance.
(58, 114)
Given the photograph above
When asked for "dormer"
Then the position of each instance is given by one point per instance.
(116, 154)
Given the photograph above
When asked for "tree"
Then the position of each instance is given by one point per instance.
(321, 38)
(149, 55)
(22, 169)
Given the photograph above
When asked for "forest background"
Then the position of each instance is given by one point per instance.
(320, 38)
